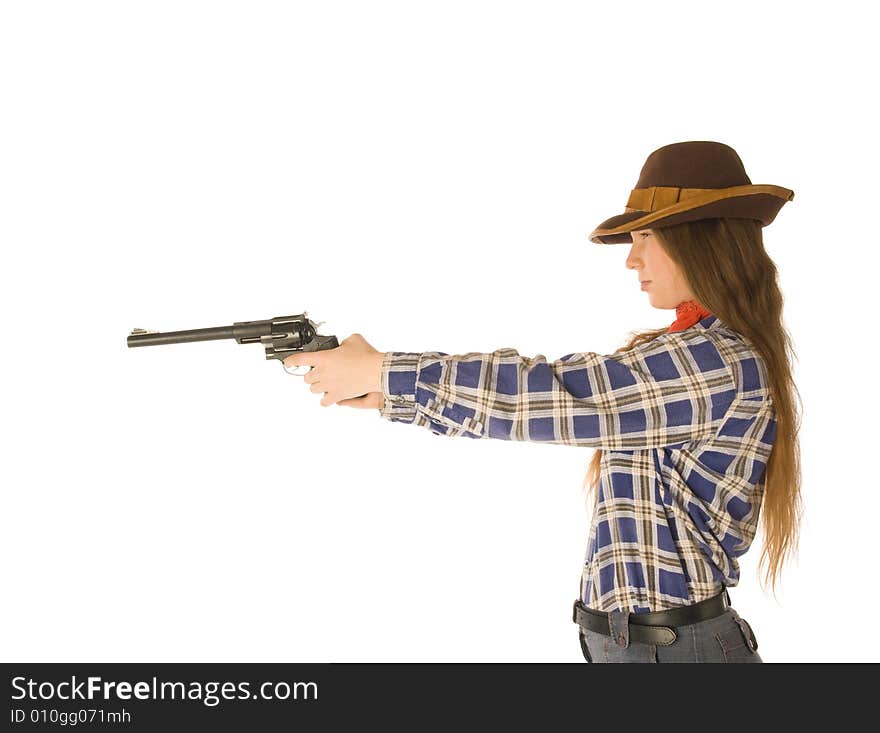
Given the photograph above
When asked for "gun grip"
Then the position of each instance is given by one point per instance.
(321, 343)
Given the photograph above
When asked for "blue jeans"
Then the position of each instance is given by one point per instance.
(725, 638)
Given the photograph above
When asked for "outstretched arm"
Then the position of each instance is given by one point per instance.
(672, 390)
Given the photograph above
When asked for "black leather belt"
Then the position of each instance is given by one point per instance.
(657, 627)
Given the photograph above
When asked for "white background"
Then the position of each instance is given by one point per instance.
(424, 174)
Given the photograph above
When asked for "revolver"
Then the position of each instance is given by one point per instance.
(281, 336)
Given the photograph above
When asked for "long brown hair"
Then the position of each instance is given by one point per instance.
(732, 276)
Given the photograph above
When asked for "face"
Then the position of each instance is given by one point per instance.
(667, 287)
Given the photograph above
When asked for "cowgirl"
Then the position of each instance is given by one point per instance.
(695, 423)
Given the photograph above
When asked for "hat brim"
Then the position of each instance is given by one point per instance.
(616, 222)
(760, 206)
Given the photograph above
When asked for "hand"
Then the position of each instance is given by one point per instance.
(351, 370)
(371, 400)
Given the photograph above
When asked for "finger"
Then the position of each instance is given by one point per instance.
(317, 387)
(303, 358)
(311, 376)
(328, 400)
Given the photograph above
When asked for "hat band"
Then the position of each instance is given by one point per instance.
(659, 197)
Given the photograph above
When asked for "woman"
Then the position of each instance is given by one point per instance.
(695, 423)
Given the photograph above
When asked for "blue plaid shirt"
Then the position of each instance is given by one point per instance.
(686, 424)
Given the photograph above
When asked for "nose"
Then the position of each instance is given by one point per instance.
(632, 262)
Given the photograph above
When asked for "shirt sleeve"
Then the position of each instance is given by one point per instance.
(672, 390)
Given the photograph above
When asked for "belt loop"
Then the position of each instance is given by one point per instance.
(618, 625)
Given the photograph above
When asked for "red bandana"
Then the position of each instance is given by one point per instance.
(687, 314)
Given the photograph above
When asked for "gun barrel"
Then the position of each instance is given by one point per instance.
(244, 332)
(139, 337)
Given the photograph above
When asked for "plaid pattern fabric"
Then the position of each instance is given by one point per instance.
(686, 424)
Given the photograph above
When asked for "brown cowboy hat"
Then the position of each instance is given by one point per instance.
(686, 181)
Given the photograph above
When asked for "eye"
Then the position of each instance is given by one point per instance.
(646, 234)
